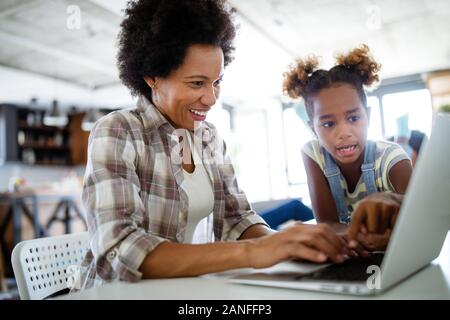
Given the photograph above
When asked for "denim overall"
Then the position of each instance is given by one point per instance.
(333, 175)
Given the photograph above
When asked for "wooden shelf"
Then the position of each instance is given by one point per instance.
(43, 146)
(24, 126)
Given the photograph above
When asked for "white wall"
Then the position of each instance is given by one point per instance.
(252, 84)
(19, 87)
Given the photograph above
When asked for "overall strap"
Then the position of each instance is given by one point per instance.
(368, 167)
(333, 175)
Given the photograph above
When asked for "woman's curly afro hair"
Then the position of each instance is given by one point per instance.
(155, 35)
(356, 68)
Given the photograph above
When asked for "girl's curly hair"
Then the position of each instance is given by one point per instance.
(356, 68)
(156, 34)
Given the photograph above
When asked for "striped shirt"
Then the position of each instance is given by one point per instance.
(134, 194)
(387, 154)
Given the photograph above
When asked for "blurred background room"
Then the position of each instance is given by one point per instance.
(58, 75)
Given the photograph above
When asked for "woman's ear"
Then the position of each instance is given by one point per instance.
(151, 82)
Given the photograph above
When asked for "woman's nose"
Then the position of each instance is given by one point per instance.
(210, 96)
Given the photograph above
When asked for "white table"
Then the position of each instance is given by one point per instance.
(432, 282)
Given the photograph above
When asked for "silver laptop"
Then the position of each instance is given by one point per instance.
(416, 240)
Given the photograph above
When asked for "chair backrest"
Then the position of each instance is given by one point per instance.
(41, 265)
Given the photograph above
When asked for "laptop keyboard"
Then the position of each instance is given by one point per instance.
(353, 269)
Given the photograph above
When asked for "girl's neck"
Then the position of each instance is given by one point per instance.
(352, 172)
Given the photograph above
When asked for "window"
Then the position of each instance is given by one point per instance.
(375, 131)
(413, 107)
(296, 134)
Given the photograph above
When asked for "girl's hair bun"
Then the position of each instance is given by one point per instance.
(362, 63)
(296, 79)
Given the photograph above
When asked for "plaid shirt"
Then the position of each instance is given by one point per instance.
(134, 195)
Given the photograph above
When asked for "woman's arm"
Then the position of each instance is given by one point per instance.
(114, 209)
(256, 231)
(311, 242)
(321, 198)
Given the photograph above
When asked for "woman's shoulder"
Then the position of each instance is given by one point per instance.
(118, 124)
(118, 118)
(125, 119)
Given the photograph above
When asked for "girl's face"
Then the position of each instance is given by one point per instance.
(340, 122)
(188, 93)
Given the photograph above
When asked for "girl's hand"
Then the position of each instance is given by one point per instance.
(376, 214)
(374, 241)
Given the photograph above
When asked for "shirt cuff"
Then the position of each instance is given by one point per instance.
(127, 257)
(250, 220)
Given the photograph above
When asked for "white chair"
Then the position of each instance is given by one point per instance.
(41, 265)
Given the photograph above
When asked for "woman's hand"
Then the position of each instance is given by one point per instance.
(315, 243)
(373, 220)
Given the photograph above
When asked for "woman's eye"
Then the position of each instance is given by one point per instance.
(328, 124)
(197, 83)
(354, 118)
(217, 83)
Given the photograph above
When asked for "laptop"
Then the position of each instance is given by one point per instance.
(416, 239)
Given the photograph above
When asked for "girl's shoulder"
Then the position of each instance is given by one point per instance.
(384, 144)
(311, 146)
(385, 148)
(314, 151)
(388, 154)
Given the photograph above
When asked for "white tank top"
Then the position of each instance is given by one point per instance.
(200, 194)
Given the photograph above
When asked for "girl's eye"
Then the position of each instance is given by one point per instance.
(217, 83)
(354, 118)
(328, 124)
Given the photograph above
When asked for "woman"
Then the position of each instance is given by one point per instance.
(147, 185)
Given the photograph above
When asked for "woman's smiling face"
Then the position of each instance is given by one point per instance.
(188, 93)
(340, 122)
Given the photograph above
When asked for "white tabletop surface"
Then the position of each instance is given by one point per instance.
(432, 282)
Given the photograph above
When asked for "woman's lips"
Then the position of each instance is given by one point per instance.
(198, 115)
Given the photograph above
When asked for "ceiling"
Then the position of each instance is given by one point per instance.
(407, 36)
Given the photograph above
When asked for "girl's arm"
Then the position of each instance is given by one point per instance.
(321, 198)
(378, 212)
(399, 175)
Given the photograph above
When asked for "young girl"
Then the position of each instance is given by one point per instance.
(342, 166)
